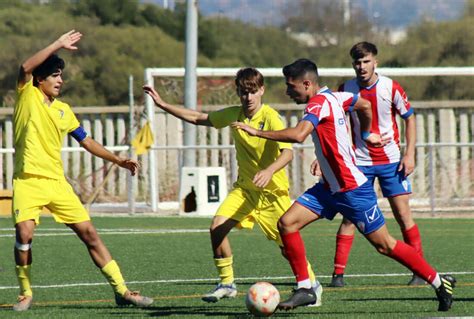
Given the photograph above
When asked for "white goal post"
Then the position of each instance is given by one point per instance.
(151, 73)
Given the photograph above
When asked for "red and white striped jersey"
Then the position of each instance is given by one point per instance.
(388, 99)
(332, 142)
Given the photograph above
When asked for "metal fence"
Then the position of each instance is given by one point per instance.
(442, 179)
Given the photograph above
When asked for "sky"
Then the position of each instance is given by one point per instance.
(383, 13)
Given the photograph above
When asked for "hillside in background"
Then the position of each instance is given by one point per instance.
(122, 38)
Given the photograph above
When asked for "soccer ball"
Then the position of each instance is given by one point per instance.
(262, 299)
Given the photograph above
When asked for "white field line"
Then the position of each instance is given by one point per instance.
(117, 231)
(212, 280)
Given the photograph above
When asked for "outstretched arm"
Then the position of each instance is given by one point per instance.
(190, 116)
(407, 163)
(98, 150)
(66, 41)
(263, 177)
(291, 135)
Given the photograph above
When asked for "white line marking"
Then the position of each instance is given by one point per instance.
(167, 281)
(120, 232)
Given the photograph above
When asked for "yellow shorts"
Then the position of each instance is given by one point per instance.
(31, 193)
(264, 208)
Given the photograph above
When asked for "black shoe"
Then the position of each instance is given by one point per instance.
(416, 281)
(300, 297)
(445, 292)
(337, 281)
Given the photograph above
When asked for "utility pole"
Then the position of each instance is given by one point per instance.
(190, 78)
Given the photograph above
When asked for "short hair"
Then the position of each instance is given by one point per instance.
(49, 66)
(301, 68)
(361, 49)
(249, 79)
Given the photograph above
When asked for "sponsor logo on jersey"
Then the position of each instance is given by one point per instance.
(372, 214)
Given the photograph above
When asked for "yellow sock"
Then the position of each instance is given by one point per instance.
(312, 276)
(113, 275)
(224, 267)
(23, 275)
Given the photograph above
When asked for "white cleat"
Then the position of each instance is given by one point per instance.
(221, 291)
(318, 290)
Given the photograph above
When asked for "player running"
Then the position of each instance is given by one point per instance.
(386, 164)
(260, 193)
(41, 122)
(343, 187)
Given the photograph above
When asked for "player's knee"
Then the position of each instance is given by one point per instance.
(283, 225)
(24, 236)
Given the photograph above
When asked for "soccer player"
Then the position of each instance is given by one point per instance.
(260, 193)
(343, 188)
(386, 164)
(41, 122)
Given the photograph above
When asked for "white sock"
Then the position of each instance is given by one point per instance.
(315, 284)
(304, 284)
(436, 282)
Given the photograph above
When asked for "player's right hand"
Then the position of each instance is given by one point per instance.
(68, 39)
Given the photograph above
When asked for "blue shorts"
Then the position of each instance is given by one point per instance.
(392, 182)
(358, 205)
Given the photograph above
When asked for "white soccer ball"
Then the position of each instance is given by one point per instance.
(262, 299)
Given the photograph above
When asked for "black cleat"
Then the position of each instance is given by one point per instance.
(416, 281)
(337, 281)
(301, 297)
(445, 292)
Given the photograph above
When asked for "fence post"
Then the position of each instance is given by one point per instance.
(431, 177)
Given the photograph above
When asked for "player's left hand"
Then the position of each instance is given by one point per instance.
(244, 127)
(262, 178)
(407, 164)
(129, 164)
(377, 140)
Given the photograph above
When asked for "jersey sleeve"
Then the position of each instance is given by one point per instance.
(72, 121)
(276, 124)
(224, 117)
(348, 100)
(400, 101)
(316, 110)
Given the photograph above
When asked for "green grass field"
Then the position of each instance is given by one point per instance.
(170, 259)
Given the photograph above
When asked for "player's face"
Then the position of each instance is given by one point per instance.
(298, 90)
(251, 100)
(51, 86)
(365, 69)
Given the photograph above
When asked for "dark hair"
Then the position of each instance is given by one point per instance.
(301, 68)
(361, 49)
(49, 66)
(249, 79)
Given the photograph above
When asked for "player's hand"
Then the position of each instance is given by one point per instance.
(262, 178)
(244, 127)
(148, 89)
(315, 169)
(407, 164)
(377, 140)
(67, 40)
(129, 164)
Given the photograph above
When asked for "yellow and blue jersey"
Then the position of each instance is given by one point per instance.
(39, 132)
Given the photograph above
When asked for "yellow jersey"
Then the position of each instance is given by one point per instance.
(39, 132)
(254, 153)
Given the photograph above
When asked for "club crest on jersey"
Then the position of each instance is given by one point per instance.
(61, 114)
(17, 212)
(341, 121)
(261, 125)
